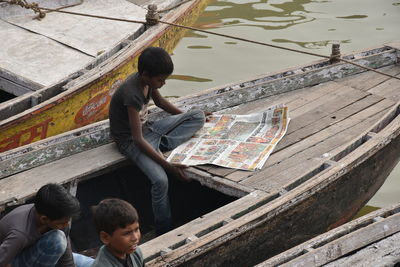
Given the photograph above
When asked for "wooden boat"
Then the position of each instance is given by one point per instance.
(341, 144)
(372, 240)
(81, 60)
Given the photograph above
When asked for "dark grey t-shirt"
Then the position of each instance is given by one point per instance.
(18, 230)
(130, 93)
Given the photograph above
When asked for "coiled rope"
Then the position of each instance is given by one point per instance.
(152, 20)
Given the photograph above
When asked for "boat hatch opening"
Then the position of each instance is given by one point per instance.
(189, 200)
(4, 96)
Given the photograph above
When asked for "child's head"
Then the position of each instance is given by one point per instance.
(118, 225)
(55, 206)
(155, 61)
(154, 66)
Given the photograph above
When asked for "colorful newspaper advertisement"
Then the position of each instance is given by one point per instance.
(235, 141)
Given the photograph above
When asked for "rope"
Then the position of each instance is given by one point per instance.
(35, 6)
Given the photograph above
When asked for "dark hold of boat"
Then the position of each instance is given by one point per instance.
(341, 144)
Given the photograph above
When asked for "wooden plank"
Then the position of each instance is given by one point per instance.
(316, 110)
(306, 102)
(204, 224)
(332, 235)
(349, 243)
(53, 148)
(289, 170)
(329, 119)
(367, 80)
(292, 99)
(389, 89)
(382, 253)
(286, 160)
(17, 188)
(328, 132)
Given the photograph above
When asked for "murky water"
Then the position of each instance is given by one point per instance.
(203, 61)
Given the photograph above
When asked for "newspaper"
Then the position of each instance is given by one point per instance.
(235, 141)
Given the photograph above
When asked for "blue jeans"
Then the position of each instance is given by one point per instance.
(47, 251)
(163, 135)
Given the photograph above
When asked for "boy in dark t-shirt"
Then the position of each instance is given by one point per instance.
(143, 141)
(37, 234)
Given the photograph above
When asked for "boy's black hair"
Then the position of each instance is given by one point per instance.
(155, 61)
(55, 202)
(113, 213)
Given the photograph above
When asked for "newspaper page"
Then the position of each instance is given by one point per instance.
(235, 141)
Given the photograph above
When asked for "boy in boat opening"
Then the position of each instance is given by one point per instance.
(37, 234)
(117, 222)
(143, 141)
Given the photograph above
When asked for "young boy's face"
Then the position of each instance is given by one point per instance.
(124, 240)
(155, 82)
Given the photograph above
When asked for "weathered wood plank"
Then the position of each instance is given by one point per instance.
(204, 224)
(349, 243)
(323, 240)
(287, 171)
(382, 253)
(389, 89)
(19, 187)
(329, 132)
(316, 124)
(366, 81)
(54, 148)
(285, 161)
(316, 110)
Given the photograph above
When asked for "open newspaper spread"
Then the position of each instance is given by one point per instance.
(235, 141)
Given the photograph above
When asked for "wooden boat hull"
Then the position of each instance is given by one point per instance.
(307, 212)
(85, 100)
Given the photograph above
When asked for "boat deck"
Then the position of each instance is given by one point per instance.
(60, 44)
(327, 122)
(323, 118)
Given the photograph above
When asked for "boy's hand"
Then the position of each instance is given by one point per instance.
(177, 170)
(207, 114)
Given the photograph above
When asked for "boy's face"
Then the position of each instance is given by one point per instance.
(123, 241)
(154, 82)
